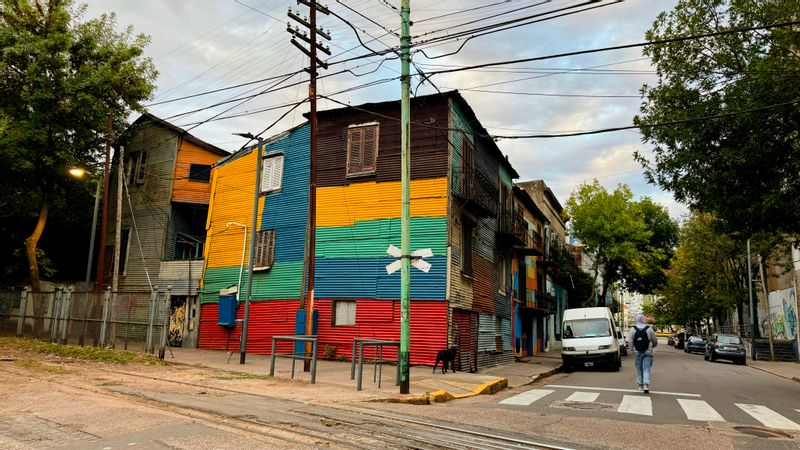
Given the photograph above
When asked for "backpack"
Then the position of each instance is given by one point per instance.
(641, 342)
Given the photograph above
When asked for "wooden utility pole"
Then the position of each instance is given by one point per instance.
(104, 221)
(310, 39)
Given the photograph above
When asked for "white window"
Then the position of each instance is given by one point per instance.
(272, 173)
(344, 313)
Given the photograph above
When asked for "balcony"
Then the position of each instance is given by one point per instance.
(532, 244)
(512, 228)
(542, 301)
(477, 194)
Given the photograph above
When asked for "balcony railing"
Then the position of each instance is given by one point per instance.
(542, 300)
(512, 225)
(478, 194)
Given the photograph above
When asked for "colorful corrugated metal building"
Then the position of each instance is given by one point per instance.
(461, 188)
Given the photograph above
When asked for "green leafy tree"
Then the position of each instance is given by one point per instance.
(61, 76)
(742, 161)
(630, 241)
(708, 273)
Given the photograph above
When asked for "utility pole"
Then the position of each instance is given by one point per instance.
(753, 319)
(253, 235)
(117, 238)
(310, 38)
(104, 220)
(405, 177)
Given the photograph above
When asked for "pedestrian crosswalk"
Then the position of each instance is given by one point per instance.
(634, 403)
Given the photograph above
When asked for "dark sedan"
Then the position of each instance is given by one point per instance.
(695, 344)
(725, 346)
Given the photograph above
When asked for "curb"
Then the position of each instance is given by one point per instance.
(489, 388)
(775, 373)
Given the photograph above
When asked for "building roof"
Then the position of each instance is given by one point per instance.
(454, 95)
(246, 150)
(147, 117)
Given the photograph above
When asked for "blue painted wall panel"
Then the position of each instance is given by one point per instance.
(286, 211)
(367, 278)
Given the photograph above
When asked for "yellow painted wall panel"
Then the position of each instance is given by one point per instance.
(344, 205)
(232, 201)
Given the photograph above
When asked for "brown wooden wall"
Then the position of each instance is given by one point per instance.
(429, 146)
(185, 190)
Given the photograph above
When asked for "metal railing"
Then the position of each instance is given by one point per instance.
(513, 224)
(478, 188)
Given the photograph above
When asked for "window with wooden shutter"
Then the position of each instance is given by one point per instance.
(141, 168)
(272, 173)
(362, 149)
(265, 250)
(467, 166)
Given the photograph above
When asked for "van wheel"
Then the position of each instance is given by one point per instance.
(567, 368)
(617, 365)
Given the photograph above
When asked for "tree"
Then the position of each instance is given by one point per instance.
(60, 77)
(740, 162)
(708, 275)
(631, 241)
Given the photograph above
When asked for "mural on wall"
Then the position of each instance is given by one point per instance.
(783, 314)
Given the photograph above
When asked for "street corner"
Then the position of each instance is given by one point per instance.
(491, 387)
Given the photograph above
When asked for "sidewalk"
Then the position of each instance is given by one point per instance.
(333, 377)
(784, 369)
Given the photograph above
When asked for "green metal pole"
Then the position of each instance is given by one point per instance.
(405, 176)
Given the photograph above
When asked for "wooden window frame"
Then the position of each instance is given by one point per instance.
(348, 321)
(140, 168)
(200, 173)
(467, 248)
(272, 170)
(264, 256)
(360, 132)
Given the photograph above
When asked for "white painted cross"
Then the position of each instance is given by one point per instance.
(417, 262)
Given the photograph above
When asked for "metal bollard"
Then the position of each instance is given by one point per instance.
(104, 323)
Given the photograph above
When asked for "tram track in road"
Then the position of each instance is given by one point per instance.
(283, 423)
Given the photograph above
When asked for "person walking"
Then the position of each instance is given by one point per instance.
(644, 340)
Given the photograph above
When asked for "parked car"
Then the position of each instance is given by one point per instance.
(695, 344)
(623, 343)
(725, 346)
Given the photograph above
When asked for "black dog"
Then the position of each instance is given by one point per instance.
(446, 357)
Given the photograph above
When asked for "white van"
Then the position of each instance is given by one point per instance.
(589, 338)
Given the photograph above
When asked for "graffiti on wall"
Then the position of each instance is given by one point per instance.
(782, 314)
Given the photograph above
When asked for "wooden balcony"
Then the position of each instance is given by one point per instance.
(477, 194)
(543, 301)
(532, 244)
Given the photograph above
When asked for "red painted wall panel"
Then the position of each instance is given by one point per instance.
(375, 319)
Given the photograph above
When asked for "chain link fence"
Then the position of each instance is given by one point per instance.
(136, 321)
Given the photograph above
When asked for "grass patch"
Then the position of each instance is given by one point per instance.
(110, 383)
(241, 376)
(41, 367)
(77, 352)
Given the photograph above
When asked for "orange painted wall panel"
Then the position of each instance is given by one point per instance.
(183, 189)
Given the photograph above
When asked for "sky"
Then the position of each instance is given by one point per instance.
(199, 46)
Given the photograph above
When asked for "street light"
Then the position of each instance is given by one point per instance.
(243, 339)
(79, 173)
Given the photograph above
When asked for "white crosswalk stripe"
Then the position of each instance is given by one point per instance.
(699, 410)
(768, 417)
(584, 397)
(528, 397)
(636, 404)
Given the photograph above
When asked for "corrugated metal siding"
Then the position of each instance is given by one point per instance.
(486, 333)
(460, 287)
(507, 338)
(465, 331)
(346, 205)
(429, 151)
(483, 293)
(151, 203)
(370, 239)
(285, 211)
(367, 278)
(267, 319)
(185, 190)
(427, 321)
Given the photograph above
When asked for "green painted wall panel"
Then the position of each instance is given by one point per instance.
(281, 282)
(369, 239)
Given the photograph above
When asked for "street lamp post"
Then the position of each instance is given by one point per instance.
(78, 172)
(254, 223)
